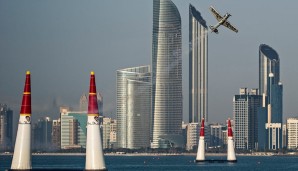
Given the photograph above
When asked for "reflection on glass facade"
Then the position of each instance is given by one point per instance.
(133, 107)
(166, 75)
(198, 67)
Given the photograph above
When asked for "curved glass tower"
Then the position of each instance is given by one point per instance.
(198, 67)
(166, 75)
(133, 107)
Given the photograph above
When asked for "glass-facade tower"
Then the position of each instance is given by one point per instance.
(198, 66)
(271, 89)
(133, 107)
(166, 75)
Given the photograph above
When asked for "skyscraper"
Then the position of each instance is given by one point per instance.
(166, 75)
(84, 102)
(245, 107)
(42, 134)
(198, 66)
(100, 103)
(271, 89)
(73, 129)
(133, 107)
(56, 134)
(6, 117)
(269, 81)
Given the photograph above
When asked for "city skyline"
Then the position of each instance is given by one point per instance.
(44, 39)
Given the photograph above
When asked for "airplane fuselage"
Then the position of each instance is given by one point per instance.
(222, 21)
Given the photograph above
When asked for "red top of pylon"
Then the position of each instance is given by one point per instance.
(92, 105)
(202, 131)
(230, 132)
(26, 102)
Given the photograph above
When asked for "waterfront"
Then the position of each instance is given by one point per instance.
(161, 162)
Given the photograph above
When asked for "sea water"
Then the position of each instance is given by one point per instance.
(163, 163)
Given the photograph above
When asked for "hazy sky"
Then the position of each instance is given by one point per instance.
(61, 41)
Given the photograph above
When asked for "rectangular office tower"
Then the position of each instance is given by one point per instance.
(56, 134)
(292, 126)
(73, 129)
(245, 107)
(133, 107)
(198, 66)
(166, 75)
(271, 89)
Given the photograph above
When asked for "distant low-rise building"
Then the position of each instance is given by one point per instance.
(184, 132)
(274, 135)
(193, 134)
(216, 135)
(224, 137)
(284, 136)
(108, 128)
(292, 126)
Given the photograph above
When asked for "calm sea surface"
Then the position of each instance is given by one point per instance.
(156, 163)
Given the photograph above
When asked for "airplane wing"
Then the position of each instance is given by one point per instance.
(230, 26)
(215, 13)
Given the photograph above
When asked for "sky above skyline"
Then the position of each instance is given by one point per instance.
(60, 42)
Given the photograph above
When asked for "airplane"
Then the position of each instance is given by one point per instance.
(221, 21)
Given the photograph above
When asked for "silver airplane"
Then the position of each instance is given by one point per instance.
(221, 21)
